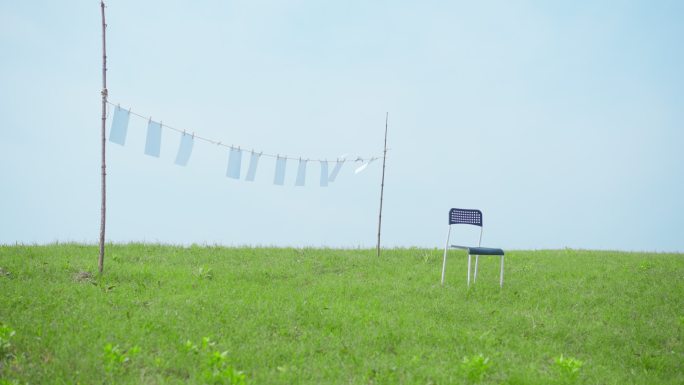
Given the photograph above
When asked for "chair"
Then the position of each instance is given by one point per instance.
(470, 217)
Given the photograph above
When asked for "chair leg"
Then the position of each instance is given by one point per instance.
(477, 258)
(468, 270)
(446, 247)
(502, 272)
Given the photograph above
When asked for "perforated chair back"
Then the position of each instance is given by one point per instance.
(465, 216)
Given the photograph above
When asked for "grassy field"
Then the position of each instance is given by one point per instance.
(174, 315)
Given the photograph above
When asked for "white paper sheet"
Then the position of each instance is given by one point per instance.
(234, 163)
(153, 142)
(117, 133)
(279, 178)
(184, 149)
(301, 173)
(253, 163)
(324, 173)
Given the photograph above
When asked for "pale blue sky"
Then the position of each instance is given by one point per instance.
(561, 121)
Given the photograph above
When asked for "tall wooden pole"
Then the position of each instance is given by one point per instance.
(382, 184)
(103, 211)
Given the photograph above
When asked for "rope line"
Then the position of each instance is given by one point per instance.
(232, 147)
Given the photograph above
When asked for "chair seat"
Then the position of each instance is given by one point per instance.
(484, 251)
(480, 250)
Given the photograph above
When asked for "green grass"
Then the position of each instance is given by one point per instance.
(319, 316)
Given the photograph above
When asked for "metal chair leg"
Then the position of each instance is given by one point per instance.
(446, 247)
(477, 258)
(502, 272)
(468, 270)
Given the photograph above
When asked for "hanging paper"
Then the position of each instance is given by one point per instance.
(234, 163)
(185, 149)
(279, 178)
(153, 142)
(301, 173)
(324, 173)
(253, 162)
(117, 133)
(363, 167)
(335, 171)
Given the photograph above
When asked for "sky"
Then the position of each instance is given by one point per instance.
(562, 121)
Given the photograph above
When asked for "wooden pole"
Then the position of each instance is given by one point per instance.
(382, 184)
(103, 211)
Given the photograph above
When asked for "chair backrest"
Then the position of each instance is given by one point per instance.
(465, 216)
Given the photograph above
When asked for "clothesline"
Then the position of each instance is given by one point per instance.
(231, 146)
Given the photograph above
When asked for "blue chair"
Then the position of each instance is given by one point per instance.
(470, 217)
